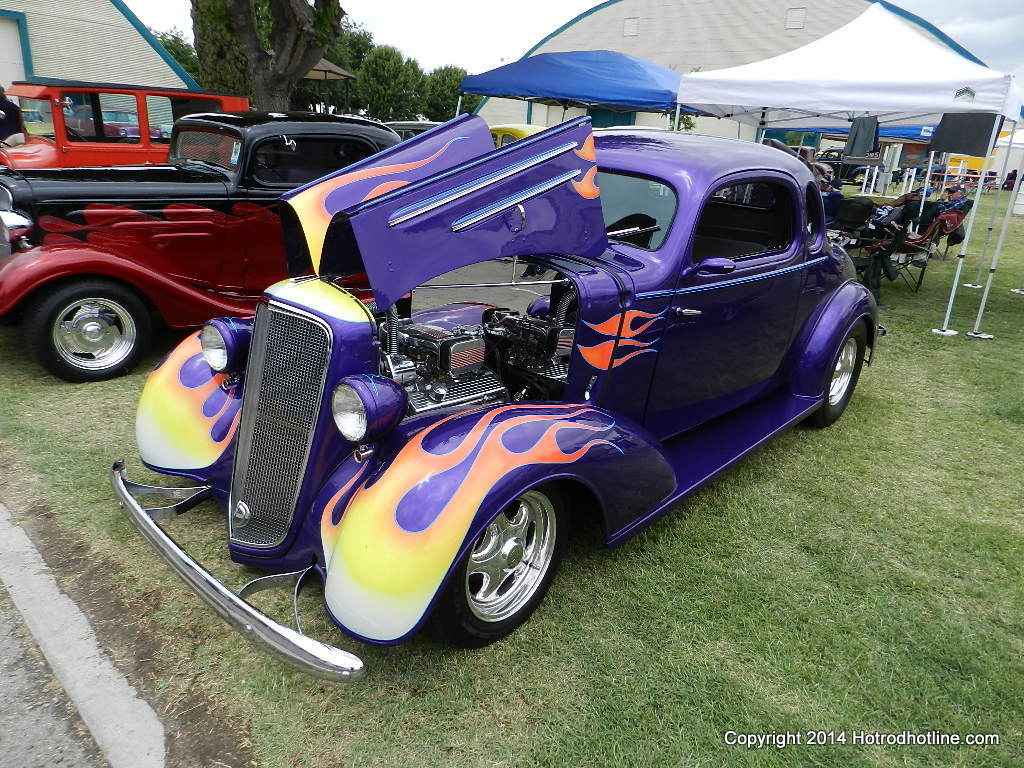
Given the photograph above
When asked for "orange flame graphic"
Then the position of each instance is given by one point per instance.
(587, 151)
(600, 355)
(587, 187)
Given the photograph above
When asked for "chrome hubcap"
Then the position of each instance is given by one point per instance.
(510, 559)
(93, 333)
(843, 373)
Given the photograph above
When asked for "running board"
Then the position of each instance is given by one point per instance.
(701, 454)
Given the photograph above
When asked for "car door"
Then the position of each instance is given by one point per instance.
(279, 164)
(101, 128)
(732, 314)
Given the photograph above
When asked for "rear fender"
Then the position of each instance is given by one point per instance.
(824, 331)
(180, 304)
(393, 530)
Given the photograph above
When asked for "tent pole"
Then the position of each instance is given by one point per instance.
(995, 208)
(927, 184)
(976, 332)
(458, 106)
(945, 329)
(760, 127)
(675, 124)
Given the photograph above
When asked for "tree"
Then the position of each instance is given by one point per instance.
(389, 85)
(347, 50)
(181, 50)
(441, 93)
(222, 65)
(279, 42)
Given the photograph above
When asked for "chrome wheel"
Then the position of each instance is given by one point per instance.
(843, 373)
(509, 561)
(93, 333)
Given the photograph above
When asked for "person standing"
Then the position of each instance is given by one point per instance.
(10, 117)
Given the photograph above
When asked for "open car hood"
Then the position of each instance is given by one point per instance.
(447, 199)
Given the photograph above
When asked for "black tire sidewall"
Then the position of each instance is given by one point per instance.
(828, 413)
(41, 313)
(454, 623)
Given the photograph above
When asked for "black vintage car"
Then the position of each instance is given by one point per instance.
(91, 257)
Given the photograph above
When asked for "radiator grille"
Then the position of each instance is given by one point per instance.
(283, 391)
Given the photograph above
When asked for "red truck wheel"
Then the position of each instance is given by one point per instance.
(87, 331)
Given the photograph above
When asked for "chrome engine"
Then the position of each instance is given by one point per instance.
(507, 357)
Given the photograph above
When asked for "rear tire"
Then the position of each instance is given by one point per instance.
(845, 373)
(503, 577)
(87, 331)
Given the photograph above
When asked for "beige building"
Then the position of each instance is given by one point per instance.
(683, 35)
(93, 40)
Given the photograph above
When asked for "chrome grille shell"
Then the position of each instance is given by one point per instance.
(289, 358)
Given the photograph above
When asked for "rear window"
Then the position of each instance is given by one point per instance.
(209, 146)
(637, 210)
(164, 110)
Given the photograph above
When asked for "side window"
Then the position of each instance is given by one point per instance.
(508, 138)
(743, 220)
(637, 210)
(164, 110)
(293, 160)
(101, 117)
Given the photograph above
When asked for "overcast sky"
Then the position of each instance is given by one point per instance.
(479, 35)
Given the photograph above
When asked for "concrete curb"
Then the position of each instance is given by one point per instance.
(124, 726)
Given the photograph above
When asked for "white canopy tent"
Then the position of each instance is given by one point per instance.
(830, 82)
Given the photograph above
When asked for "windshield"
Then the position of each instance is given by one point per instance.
(207, 146)
(637, 210)
(37, 115)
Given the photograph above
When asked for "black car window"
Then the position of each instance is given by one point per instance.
(637, 210)
(101, 117)
(164, 110)
(742, 220)
(293, 160)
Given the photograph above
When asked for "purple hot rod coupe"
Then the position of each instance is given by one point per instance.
(424, 464)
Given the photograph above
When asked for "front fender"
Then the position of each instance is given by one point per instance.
(393, 531)
(187, 416)
(824, 331)
(180, 304)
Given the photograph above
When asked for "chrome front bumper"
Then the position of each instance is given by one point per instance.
(305, 653)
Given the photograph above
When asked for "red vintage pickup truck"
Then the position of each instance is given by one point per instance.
(73, 124)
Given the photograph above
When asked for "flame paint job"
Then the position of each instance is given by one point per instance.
(389, 548)
(429, 153)
(187, 412)
(622, 333)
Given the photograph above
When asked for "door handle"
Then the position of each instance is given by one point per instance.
(681, 312)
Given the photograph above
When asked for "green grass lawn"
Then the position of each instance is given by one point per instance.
(865, 577)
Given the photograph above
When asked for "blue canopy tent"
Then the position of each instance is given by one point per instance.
(591, 79)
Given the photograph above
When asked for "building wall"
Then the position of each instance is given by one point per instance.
(685, 35)
(11, 65)
(92, 40)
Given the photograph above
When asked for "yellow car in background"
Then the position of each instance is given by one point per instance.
(506, 134)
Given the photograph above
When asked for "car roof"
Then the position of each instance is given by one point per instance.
(260, 124)
(667, 154)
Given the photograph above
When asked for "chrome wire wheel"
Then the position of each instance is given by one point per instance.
(93, 333)
(843, 373)
(509, 561)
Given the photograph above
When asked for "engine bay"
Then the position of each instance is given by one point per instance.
(510, 355)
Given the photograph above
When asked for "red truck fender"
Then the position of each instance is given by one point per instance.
(180, 304)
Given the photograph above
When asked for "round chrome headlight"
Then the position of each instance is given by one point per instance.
(215, 347)
(225, 342)
(349, 413)
(367, 407)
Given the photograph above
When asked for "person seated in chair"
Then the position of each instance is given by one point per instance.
(10, 117)
(831, 190)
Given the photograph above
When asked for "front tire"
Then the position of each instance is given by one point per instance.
(845, 373)
(87, 331)
(503, 577)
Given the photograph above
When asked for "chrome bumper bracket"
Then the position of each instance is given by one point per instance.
(187, 497)
(303, 652)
